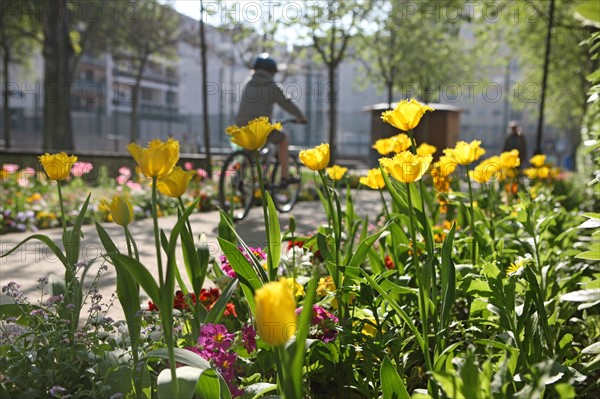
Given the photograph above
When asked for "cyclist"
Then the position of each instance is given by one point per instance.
(259, 94)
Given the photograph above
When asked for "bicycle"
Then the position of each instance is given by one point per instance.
(238, 183)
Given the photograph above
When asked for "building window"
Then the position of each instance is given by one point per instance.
(171, 97)
(146, 94)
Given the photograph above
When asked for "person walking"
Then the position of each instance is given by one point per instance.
(516, 141)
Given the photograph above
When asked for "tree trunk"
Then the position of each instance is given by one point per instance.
(6, 95)
(134, 125)
(332, 92)
(58, 76)
(205, 93)
(390, 93)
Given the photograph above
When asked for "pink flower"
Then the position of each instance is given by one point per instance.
(188, 166)
(202, 173)
(226, 267)
(10, 167)
(134, 186)
(81, 168)
(122, 179)
(124, 170)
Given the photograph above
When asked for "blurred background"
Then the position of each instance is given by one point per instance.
(95, 75)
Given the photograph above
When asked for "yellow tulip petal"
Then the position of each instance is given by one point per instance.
(275, 312)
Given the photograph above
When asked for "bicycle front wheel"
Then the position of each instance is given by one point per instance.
(285, 194)
(236, 185)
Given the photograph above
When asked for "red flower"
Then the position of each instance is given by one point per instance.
(389, 263)
(230, 310)
(292, 244)
(180, 301)
(210, 296)
(152, 307)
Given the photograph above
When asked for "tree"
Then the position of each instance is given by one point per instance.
(330, 30)
(410, 49)
(523, 26)
(205, 91)
(154, 31)
(19, 37)
(258, 34)
(70, 29)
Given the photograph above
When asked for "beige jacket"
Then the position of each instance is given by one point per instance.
(259, 94)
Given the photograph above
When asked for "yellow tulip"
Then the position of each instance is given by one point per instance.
(537, 173)
(158, 160)
(407, 114)
(373, 179)
(275, 312)
(510, 159)
(400, 142)
(253, 135)
(426, 149)
(446, 165)
(121, 210)
(336, 172)
(465, 153)
(538, 160)
(316, 158)
(175, 184)
(406, 167)
(384, 146)
(57, 166)
(487, 169)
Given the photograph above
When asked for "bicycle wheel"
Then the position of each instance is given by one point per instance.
(285, 196)
(236, 185)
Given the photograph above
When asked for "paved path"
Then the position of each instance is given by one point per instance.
(33, 260)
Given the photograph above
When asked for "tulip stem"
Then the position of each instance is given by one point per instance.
(167, 322)
(385, 207)
(187, 221)
(422, 298)
(472, 211)
(490, 198)
(336, 230)
(156, 235)
(62, 209)
(127, 239)
(272, 272)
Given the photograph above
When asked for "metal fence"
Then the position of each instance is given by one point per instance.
(96, 131)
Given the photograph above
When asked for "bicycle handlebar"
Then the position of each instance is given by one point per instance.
(288, 121)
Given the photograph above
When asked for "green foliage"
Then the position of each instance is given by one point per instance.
(403, 50)
(523, 26)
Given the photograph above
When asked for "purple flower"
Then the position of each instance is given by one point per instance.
(55, 299)
(39, 313)
(215, 337)
(12, 290)
(325, 323)
(57, 391)
(213, 345)
(249, 338)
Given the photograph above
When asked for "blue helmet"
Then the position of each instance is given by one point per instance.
(265, 62)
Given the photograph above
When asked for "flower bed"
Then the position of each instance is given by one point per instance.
(478, 279)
